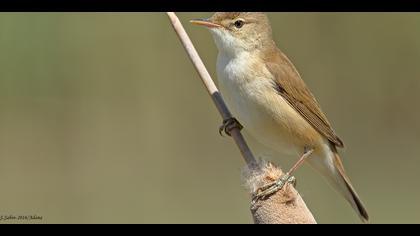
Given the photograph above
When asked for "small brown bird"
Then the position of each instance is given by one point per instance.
(268, 97)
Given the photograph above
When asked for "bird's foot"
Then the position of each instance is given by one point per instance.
(273, 187)
(228, 125)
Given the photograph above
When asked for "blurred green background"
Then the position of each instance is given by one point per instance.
(103, 118)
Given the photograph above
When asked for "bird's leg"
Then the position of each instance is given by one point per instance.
(277, 185)
(228, 125)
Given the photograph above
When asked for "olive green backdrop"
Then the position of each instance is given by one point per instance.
(103, 119)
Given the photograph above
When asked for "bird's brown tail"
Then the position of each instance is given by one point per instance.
(347, 189)
(330, 166)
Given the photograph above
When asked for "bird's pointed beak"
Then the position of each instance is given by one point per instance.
(205, 22)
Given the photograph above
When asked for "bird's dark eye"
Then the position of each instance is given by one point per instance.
(239, 23)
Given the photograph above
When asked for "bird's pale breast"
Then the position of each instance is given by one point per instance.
(248, 90)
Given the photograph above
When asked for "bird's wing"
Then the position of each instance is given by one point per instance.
(291, 87)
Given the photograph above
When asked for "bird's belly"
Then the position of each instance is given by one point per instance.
(266, 116)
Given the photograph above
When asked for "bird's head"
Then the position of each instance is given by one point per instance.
(237, 32)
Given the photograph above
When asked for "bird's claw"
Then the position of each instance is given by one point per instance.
(273, 187)
(228, 125)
